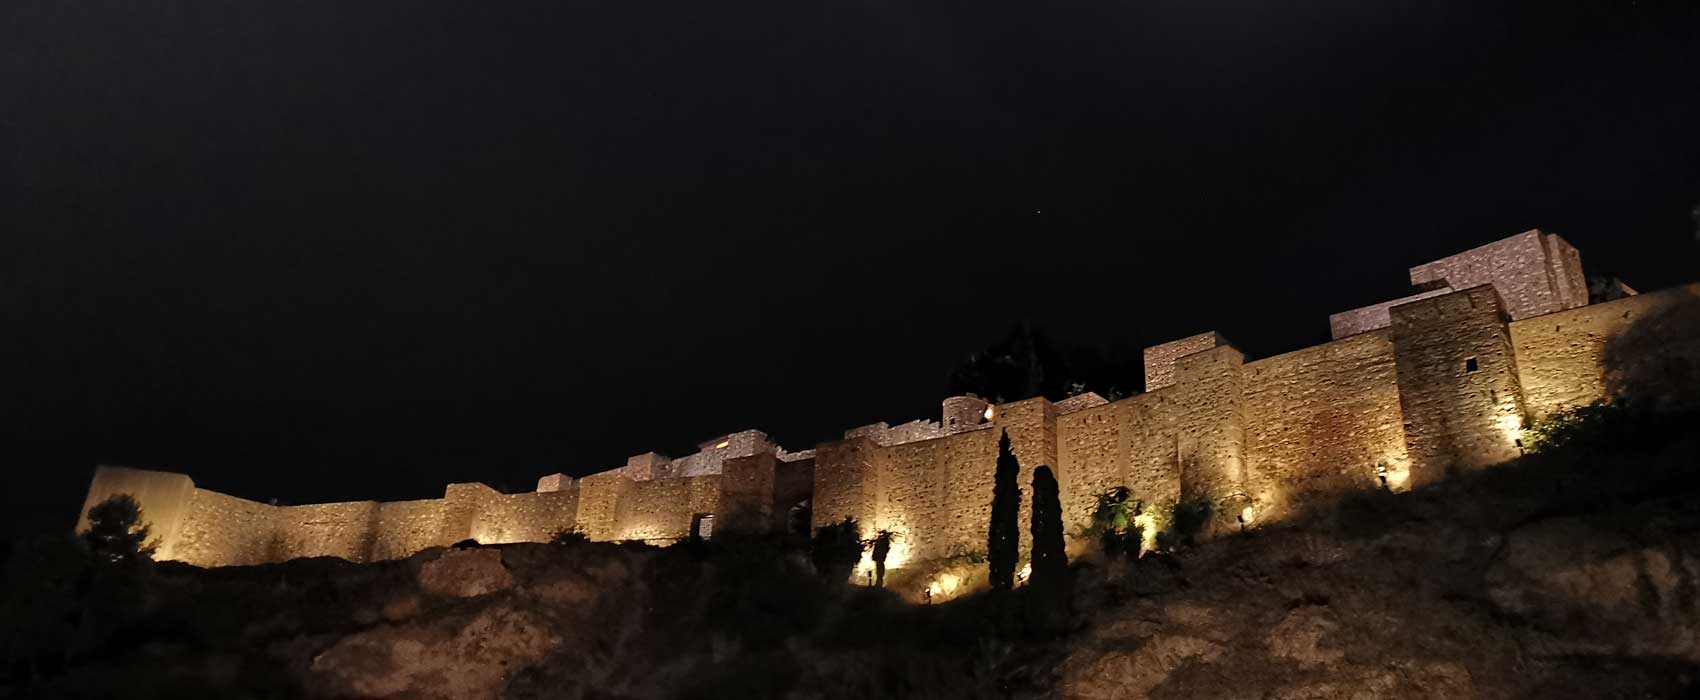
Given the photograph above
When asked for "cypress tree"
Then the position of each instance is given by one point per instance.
(1047, 589)
(1003, 538)
(1050, 562)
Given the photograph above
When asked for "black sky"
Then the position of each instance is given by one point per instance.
(335, 250)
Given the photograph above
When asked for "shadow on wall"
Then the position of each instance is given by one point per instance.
(1657, 359)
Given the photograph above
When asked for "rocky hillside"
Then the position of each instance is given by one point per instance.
(1573, 573)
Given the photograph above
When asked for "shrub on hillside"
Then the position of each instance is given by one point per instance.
(1189, 518)
(1115, 523)
(835, 550)
(568, 536)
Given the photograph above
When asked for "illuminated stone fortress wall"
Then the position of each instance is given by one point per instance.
(1407, 390)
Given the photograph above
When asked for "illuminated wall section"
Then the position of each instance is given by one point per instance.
(1567, 359)
(1458, 383)
(1324, 420)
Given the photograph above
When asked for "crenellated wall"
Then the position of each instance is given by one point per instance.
(1410, 391)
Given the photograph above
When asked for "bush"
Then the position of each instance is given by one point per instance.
(1115, 523)
(569, 536)
(1593, 427)
(835, 550)
(960, 552)
(1190, 516)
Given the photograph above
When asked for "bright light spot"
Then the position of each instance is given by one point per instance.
(899, 554)
(991, 411)
(1147, 532)
(949, 582)
(723, 444)
(1248, 515)
(1510, 424)
(1021, 576)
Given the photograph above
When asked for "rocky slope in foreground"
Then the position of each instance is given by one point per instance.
(1569, 575)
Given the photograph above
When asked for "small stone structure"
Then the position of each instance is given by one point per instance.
(1407, 391)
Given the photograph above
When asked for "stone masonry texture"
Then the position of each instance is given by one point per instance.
(1409, 391)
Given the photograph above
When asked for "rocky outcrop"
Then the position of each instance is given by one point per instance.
(465, 573)
(1604, 588)
(463, 657)
(1494, 604)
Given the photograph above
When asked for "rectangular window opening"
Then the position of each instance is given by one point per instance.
(1470, 365)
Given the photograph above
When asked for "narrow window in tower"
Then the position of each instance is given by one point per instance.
(1470, 365)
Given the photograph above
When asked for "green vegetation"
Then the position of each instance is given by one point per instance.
(1115, 523)
(962, 553)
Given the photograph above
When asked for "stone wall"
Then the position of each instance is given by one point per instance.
(1562, 357)
(1210, 441)
(405, 527)
(662, 510)
(1534, 272)
(1092, 457)
(1458, 383)
(1127, 443)
(525, 517)
(1409, 390)
(1323, 420)
(325, 530)
(937, 494)
(847, 474)
(222, 530)
(747, 494)
(1160, 359)
(598, 495)
(1368, 318)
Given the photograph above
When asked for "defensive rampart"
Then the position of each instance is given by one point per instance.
(1408, 392)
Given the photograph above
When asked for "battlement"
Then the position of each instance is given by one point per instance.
(1408, 391)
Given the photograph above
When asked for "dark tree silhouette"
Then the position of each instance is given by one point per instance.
(117, 534)
(1003, 537)
(1026, 363)
(836, 549)
(881, 546)
(1048, 586)
(1049, 559)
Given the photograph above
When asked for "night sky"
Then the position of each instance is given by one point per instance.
(336, 250)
